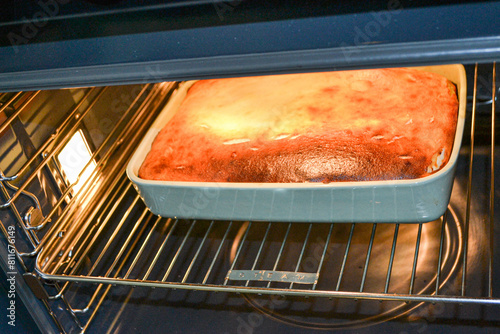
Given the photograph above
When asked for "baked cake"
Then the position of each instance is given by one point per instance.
(381, 124)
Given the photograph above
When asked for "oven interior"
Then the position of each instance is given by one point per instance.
(94, 258)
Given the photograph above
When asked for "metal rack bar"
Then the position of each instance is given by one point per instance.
(288, 292)
(391, 258)
(469, 184)
(344, 260)
(440, 256)
(492, 186)
(367, 261)
(415, 259)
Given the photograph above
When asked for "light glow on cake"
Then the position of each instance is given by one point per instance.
(270, 124)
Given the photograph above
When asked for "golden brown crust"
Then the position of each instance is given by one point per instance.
(319, 127)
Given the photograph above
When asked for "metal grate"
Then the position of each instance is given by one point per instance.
(104, 235)
(133, 247)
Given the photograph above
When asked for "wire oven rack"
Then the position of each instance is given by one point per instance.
(85, 241)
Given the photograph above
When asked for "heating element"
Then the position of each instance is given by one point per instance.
(78, 236)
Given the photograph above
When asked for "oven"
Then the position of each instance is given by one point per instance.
(82, 83)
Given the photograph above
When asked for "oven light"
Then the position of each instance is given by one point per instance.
(73, 159)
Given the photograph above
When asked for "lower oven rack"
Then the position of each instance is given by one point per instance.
(179, 273)
(104, 236)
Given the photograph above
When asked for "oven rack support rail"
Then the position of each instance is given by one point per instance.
(102, 235)
(31, 162)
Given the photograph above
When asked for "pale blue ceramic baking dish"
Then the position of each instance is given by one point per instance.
(401, 201)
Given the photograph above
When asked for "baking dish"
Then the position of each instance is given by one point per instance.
(398, 201)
